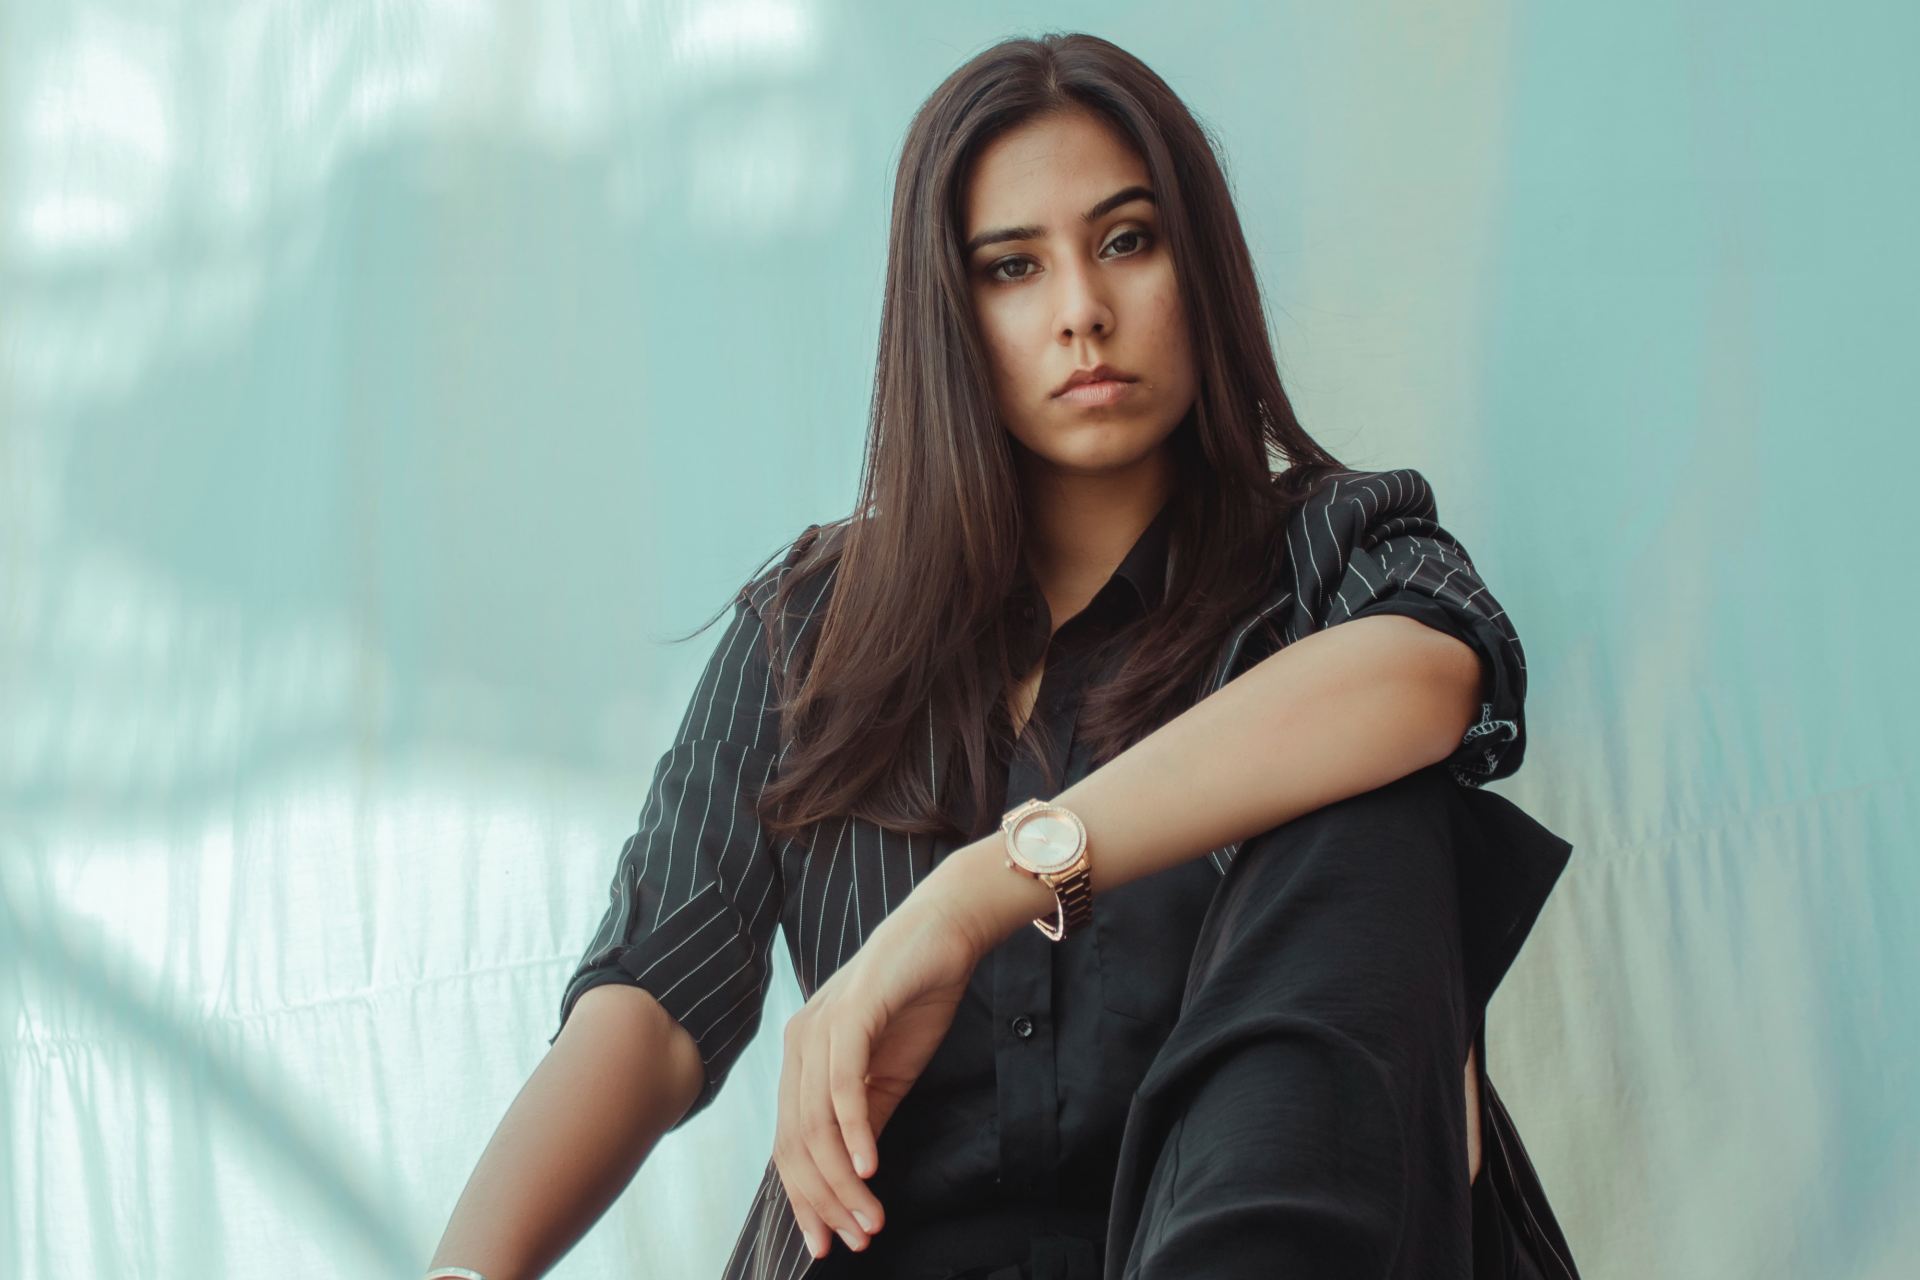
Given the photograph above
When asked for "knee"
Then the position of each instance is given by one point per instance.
(1388, 852)
(1416, 807)
(1422, 798)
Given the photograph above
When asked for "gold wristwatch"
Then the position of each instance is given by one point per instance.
(1049, 843)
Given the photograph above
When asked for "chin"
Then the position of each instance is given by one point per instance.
(1098, 446)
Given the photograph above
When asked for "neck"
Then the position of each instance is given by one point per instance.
(1080, 526)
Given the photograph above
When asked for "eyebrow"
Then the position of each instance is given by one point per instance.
(1112, 202)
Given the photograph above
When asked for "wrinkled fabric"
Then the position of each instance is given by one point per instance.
(1306, 1117)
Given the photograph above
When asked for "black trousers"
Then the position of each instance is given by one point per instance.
(1306, 1116)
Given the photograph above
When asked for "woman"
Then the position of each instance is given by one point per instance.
(1075, 663)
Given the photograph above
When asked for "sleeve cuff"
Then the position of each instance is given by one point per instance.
(1494, 745)
(701, 968)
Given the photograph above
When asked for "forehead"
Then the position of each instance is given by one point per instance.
(1048, 170)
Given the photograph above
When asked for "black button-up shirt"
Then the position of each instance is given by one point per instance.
(1026, 1099)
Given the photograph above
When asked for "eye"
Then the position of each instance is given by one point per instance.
(1140, 234)
(993, 272)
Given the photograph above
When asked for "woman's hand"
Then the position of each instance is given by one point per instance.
(852, 1053)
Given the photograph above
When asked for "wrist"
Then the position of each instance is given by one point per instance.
(986, 898)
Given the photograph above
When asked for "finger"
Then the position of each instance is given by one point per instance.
(829, 1183)
(789, 1150)
(818, 1235)
(847, 1081)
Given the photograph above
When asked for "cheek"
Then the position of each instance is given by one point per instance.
(1167, 323)
(1163, 306)
(1000, 331)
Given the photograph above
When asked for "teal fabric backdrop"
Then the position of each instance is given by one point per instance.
(381, 383)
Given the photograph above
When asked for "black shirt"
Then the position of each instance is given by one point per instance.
(1029, 1092)
(1026, 1098)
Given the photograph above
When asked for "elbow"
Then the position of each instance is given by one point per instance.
(1446, 680)
(1454, 679)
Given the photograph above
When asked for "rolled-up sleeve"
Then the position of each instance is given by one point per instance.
(1371, 543)
(695, 895)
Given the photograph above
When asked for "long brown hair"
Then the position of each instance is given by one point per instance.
(911, 654)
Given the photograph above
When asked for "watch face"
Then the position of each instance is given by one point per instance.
(1047, 841)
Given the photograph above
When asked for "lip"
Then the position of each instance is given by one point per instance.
(1093, 394)
(1098, 373)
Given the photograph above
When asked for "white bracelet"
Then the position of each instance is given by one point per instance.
(453, 1273)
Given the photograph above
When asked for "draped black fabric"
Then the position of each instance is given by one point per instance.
(1306, 1115)
(1025, 1102)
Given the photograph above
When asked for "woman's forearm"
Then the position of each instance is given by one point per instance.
(1336, 713)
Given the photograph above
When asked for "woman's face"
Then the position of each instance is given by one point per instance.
(1064, 292)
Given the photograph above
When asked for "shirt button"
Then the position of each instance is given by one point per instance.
(1023, 1026)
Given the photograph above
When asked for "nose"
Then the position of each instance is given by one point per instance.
(1084, 307)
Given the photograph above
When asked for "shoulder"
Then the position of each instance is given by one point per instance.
(1361, 503)
(798, 579)
(1352, 523)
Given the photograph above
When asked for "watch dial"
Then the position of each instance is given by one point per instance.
(1047, 841)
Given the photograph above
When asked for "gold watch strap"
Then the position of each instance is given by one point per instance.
(1074, 911)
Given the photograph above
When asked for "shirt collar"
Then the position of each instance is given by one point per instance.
(1143, 568)
(1145, 565)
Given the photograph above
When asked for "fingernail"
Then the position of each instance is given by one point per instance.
(851, 1243)
(861, 1218)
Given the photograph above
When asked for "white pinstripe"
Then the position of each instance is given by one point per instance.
(677, 910)
(717, 988)
(800, 926)
(853, 898)
(833, 860)
(744, 1022)
(703, 964)
(733, 635)
(651, 827)
(699, 840)
(683, 942)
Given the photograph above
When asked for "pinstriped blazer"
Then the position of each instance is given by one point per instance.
(699, 890)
